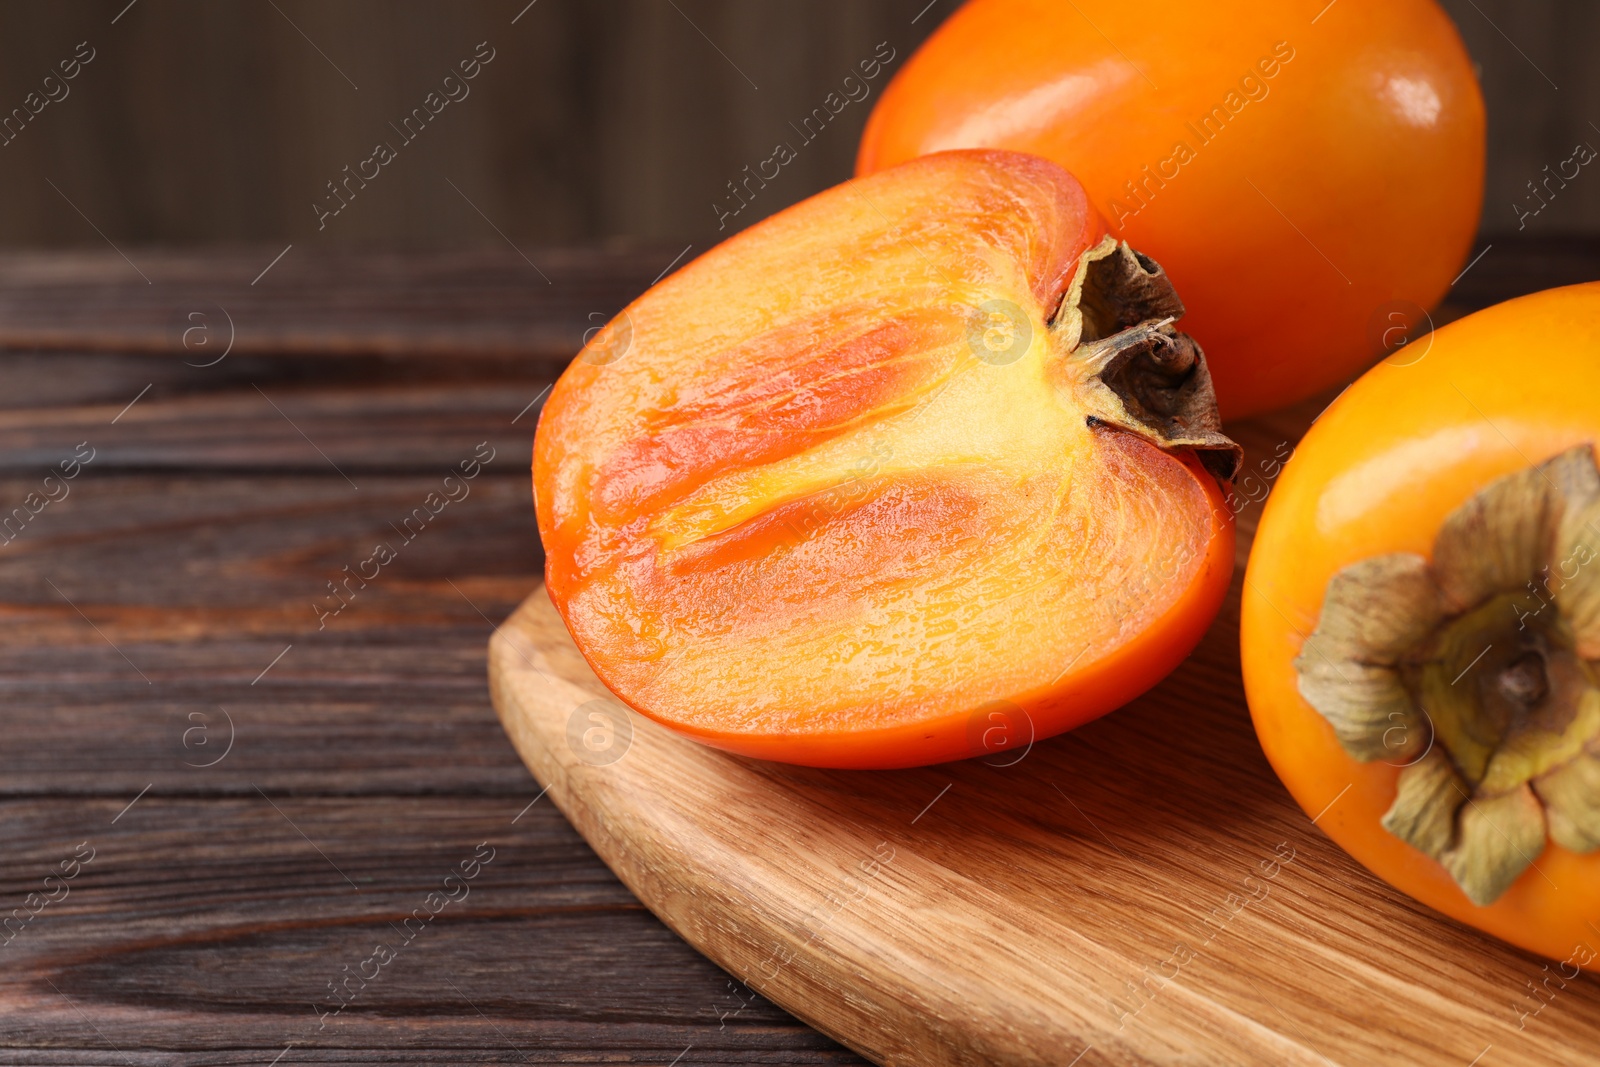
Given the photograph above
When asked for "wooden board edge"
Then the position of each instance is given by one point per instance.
(513, 662)
(921, 1007)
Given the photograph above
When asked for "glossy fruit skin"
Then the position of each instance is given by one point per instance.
(1344, 184)
(623, 444)
(1419, 434)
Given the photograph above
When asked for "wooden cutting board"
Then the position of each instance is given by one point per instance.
(1140, 891)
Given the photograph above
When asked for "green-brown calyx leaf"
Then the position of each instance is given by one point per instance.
(1478, 673)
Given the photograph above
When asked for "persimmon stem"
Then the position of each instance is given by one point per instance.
(1523, 681)
(1140, 374)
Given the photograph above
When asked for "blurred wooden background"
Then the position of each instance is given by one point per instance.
(221, 120)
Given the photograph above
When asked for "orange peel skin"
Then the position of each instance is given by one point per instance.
(1309, 179)
(855, 478)
(1393, 549)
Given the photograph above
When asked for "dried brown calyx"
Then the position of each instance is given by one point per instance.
(1140, 374)
(1479, 674)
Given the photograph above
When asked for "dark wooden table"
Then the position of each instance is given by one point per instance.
(271, 778)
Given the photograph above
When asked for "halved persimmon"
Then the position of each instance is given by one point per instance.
(1421, 622)
(921, 446)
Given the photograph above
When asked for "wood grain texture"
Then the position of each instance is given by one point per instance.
(1141, 891)
(207, 122)
(203, 928)
(504, 303)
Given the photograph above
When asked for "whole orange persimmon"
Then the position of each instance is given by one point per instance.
(912, 471)
(1421, 622)
(1303, 171)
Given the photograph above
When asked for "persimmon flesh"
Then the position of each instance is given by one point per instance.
(922, 445)
(1310, 175)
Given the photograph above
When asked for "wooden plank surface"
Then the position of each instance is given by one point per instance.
(159, 597)
(490, 303)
